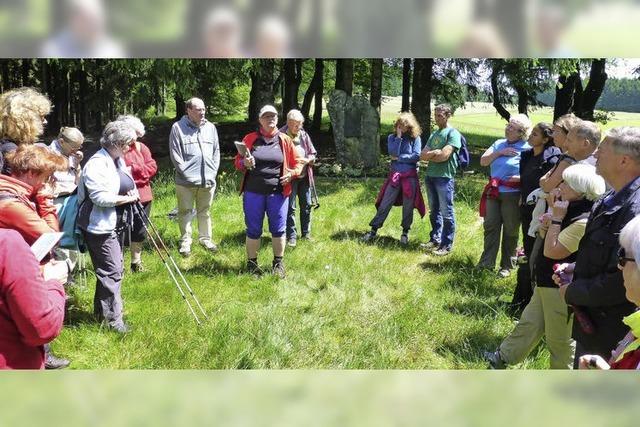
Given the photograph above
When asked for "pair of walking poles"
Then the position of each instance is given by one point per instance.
(168, 261)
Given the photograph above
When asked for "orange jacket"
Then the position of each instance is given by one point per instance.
(30, 214)
(292, 163)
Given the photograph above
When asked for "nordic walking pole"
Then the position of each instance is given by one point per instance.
(162, 258)
(145, 219)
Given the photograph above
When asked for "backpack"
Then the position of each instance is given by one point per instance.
(463, 156)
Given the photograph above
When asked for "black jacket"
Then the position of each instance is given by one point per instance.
(597, 284)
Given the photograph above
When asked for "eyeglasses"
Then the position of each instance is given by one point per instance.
(622, 257)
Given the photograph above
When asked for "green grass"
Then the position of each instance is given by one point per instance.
(344, 304)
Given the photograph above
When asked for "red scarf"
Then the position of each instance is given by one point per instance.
(396, 178)
(492, 191)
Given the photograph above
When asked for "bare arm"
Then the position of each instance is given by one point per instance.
(553, 178)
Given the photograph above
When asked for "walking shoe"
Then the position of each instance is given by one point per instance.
(404, 239)
(185, 249)
(494, 359)
(429, 246)
(278, 269)
(54, 362)
(121, 328)
(209, 245)
(504, 273)
(369, 236)
(291, 242)
(442, 252)
(253, 268)
(137, 267)
(306, 237)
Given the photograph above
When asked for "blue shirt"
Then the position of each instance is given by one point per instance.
(504, 167)
(406, 149)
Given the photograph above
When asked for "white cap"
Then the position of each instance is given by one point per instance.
(268, 109)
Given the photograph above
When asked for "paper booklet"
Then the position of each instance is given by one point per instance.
(45, 244)
(242, 149)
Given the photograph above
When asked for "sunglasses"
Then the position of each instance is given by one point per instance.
(622, 257)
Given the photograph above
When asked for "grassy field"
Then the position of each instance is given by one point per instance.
(344, 304)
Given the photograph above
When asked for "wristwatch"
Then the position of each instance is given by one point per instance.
(556, 222)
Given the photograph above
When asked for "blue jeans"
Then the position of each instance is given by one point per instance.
(443, 222)
(299, 190)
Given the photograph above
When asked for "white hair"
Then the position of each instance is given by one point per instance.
(524, 122)
(584, 180)
(295, 115)
(134, 122)
(630, 239)
(117, 134)
(625, 140)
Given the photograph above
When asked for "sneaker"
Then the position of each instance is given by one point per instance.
(185, 249)
(291, 242)
(429, 246)
(369, 236)
(254, 268)
(494, 359)
(441, 252)
(121, 328)
(209, 245)
(54, 362)
(504, 273)
(137, 267)
(404, 239)
(278, 270)
(306, 237)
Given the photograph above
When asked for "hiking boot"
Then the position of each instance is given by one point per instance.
(253, 268)
(369, 236)
(429, 246)
(137, 267)
(54, 362)
(441, 252)
(209, 245)
(292, 242)
(404, 239)
(494, 359)
(278, 269)
(504, 273)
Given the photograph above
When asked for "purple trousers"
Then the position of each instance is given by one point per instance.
(256, 205)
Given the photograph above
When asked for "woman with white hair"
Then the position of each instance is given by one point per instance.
(105, 189)
(627, 354)
(300, 186)
(143, 168)
(500, 202)
(546, 314)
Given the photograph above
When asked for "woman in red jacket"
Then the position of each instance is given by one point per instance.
(31, 308)
(143, 169)
(268, 170)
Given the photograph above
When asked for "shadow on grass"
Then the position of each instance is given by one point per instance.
(465, 277)
(469, 346)
(386, 242)
(213, 266)
(76, 315)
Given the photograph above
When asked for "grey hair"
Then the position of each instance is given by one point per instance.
(630, 239)
(524, 122)
(590, 131)
(134, 122)
(117, 134)
(189, 103)
(626, 140)
(295, 115)
(446, 108)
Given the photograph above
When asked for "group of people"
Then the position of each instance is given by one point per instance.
(574, 194)
(44, 189)
(571, 192)
(105, 205)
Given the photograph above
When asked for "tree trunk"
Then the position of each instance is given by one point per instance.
(318, 95)
(26, 72)
(565, 94)
(292, 80)
(406, 84)
(83, 95)
(344, 75)
(422, 87)
(315, 82)
(376, 84)
(523, 99)
(180, 107)
(261, 86)
(495, 90)
(44, 75)
(591, 94)
(99, 109)
(6, 84)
